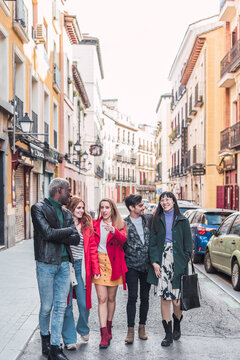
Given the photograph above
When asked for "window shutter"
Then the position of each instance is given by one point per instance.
(220, 197)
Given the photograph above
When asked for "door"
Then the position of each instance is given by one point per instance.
(219, 241)
(20, 210)
(2, 198)
(230, 244)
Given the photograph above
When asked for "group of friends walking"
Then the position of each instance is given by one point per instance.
(72, 252)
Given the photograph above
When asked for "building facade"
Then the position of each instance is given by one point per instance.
(146, 158)
(30, 84)
(162, 149)
(196, 117)
(229, 158)
(87, 57)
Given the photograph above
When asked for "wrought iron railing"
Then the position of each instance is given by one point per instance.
(235, 135)
(224, 139)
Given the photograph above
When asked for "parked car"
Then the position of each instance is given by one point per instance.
(202, 221)
(185, 205)
(223, 249)
(188, 213)
(151, 208)
(146, 203)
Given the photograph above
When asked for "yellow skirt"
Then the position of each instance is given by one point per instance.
(106, 272)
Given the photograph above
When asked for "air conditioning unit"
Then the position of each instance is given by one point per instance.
(40, 35)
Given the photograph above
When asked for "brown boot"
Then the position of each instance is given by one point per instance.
(141, 332)
(130, 336)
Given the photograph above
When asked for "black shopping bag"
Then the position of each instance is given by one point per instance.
(190, 291)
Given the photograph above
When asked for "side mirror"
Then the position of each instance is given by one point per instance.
(213, 232)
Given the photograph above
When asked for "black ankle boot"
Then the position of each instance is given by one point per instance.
(56, 353)
(168, 329)
(45, 344)
(176, 327)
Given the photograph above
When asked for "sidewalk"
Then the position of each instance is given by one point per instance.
(19, 299)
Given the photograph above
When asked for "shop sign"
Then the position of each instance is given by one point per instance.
(198, 171)
(38, 166)
(36, 152)
(96, 150)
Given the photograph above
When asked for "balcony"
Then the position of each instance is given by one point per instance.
(119, 157)
(224, 139)
(19, 107)
(172, 136)
(198, 157)
(133, 160)
(99, 172)
(235, 57)
(235, 135)
(227, 10)
(20, 20)
(227, 79)
(56, 78)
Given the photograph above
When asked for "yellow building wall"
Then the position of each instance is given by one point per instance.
(38, 64)
(214, 114)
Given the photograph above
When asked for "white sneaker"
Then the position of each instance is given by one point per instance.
(85, 338)
(71, 347)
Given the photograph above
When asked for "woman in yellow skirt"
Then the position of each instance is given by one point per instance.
(110, 233)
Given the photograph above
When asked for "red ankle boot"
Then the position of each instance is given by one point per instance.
(109, 328)
(104, 338)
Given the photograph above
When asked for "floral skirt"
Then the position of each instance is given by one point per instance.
(106, 272)
(164, 287)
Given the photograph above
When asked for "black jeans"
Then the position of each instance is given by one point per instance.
(132, 277)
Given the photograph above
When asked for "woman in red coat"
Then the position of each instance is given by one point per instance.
(84, 262)
(110, 233)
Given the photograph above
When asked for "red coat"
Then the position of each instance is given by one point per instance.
(114, 249)
(90, 263)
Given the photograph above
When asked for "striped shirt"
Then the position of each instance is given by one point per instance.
(77, 251)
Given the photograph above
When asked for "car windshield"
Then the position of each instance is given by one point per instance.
(215, 219)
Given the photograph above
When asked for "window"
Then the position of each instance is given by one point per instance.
(197, 217)
(224, 228)
(236, 226)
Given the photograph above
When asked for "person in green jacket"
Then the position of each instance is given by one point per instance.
(170, 251)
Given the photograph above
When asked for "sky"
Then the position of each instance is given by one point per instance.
(139, 40)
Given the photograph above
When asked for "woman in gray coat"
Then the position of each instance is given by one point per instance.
(170, 251)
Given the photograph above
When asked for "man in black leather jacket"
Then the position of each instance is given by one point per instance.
(54, 231)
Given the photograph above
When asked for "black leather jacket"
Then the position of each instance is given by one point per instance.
(48, 236)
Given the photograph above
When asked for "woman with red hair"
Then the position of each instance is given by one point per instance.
(84, 260)
(109, 236)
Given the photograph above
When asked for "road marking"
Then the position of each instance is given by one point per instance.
(232, 303)
(216, 281)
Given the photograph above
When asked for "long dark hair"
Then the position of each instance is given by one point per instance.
(159, 210)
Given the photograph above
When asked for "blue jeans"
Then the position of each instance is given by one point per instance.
(69, 331)
(53, 285)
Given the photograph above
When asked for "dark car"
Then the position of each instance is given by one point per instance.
(202, 221)
(185, 205)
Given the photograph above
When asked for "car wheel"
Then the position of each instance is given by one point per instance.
(235, 276)
(208, 264)
(196, 258)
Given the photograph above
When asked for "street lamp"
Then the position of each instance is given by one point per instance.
(78, 161)
(26, 123)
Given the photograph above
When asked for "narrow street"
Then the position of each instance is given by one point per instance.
(210, 332)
